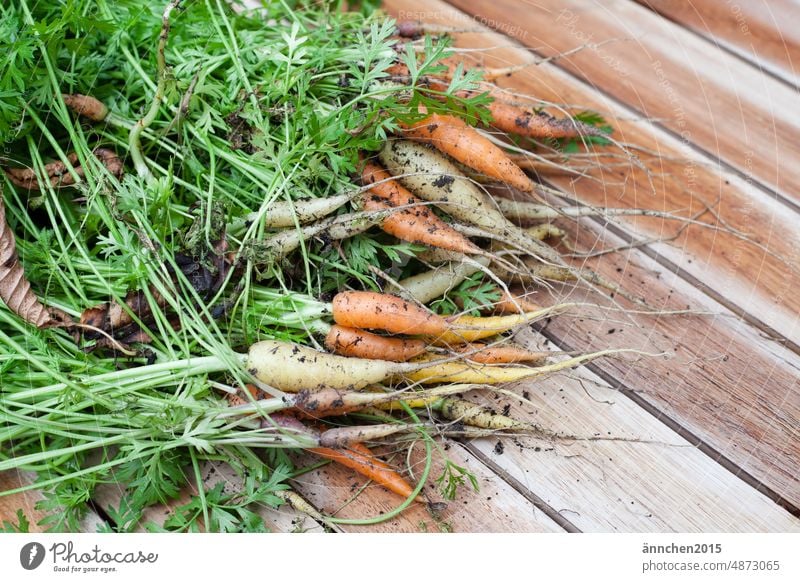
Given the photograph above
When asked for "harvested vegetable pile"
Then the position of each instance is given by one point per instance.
(228, 236)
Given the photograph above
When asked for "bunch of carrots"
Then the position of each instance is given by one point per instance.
(367, 350)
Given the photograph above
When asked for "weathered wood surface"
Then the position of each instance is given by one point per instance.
(714, 100)
(764, 32)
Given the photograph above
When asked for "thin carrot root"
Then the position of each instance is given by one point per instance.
(86, 106)
(507, 354)
(455, 138)
(467, 328)
(357, 343)
(57, 173)
(416, 225)
(346, 436)
(363, 461)
(302, 506)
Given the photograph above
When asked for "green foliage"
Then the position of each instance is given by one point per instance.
(452, 478)
(22, 525)
(252, 114)
(469, 297)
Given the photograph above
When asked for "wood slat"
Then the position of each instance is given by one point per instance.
(745, 407)
(765, 33)
(665, 72)
(660, 484)
(27, 500)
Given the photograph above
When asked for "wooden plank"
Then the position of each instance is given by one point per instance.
(735, 405)
(660, 484)
(496, 507)
(27, 500)
(699, 91)
(764, 33)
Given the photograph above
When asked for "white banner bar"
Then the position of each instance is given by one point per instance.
(406, 557)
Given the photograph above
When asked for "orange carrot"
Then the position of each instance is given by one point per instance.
(483, 354)
(359, 458)
(418, 224)
(514, 304)
(371, 310)
(506, 116)
(357, 343)
(455, 138)
(539, 125)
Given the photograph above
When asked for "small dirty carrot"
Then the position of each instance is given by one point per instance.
(460, 410)
(417, 224)
(86, 106)
(454, 137)
(427, 286)
(359, 458)
(509, 304)
(57, 173)
(505, 354)
(358, 343)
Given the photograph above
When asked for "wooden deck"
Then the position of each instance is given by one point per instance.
(706, 438)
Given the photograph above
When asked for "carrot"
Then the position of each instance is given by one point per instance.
(507, 354)
(433, 177)
(427, 286)
(359, 458)
(467, 373)
(58, 174)
(281, 214)
(357, 343)
(292, 368)
(460, 410)
(370, 310)
(416, 225)
(536, 125)
(468, 328)
(509, 304)
(455, 138)
(86, 106)
(279, 246)
(506, 116)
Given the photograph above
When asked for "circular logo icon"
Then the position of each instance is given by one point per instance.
(31, 555)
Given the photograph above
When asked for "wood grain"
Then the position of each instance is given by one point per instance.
(766, 33)
(661, 70)
(660, 483)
